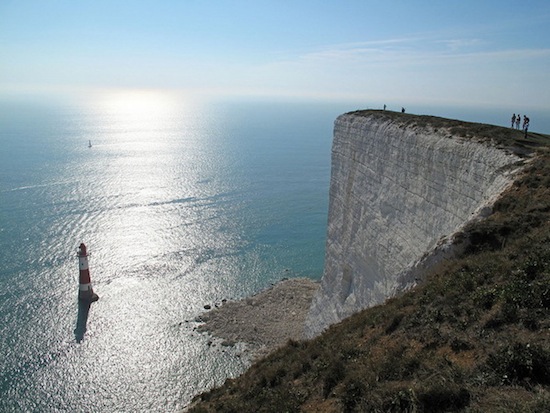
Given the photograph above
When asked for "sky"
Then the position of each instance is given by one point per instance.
(473, 53)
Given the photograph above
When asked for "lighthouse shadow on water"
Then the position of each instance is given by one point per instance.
(86, 295)
(81, 320)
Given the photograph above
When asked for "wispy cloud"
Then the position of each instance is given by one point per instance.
(455, 45)
(418, 50)
(360, 50)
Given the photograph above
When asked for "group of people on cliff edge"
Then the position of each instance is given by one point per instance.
(516, 120)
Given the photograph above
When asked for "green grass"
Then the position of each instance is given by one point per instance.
(475, 337)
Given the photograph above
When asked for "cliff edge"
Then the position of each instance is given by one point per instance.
(401, 186)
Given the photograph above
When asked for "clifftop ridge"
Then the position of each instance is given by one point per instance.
(506, 138)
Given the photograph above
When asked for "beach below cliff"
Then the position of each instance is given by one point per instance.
(264, 321)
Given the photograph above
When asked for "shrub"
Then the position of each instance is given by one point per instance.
(354, 391)
(335, 374)
(394, 324)
(443, 398)
(486, 297)
(519, 362)
(401, 401)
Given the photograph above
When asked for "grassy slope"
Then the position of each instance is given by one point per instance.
(474, 337)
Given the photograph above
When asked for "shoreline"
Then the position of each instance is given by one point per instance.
(265, 321)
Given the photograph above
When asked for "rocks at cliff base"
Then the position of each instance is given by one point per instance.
(264, 321)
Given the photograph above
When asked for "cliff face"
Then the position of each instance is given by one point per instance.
(398, 192)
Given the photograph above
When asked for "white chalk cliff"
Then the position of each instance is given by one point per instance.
(398, 192)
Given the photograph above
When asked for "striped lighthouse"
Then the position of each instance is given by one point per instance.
(85, 292)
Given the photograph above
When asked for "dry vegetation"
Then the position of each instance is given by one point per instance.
(475, 337)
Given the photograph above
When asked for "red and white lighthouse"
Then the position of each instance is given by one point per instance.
(85, 291)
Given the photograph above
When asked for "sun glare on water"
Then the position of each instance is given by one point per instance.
(140, 143)
(139, 105)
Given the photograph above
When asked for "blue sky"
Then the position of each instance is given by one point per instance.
(450, 52)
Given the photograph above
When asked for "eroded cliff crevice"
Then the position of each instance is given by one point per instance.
(398, 192)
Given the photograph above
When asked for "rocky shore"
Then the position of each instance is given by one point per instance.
(265, 321)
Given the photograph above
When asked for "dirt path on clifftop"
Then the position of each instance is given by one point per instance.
(265, 321)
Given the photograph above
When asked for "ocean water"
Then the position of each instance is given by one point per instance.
(181, 203)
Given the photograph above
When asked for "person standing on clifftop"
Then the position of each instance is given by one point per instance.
(513, 120)
(518, 120)
(525, 124)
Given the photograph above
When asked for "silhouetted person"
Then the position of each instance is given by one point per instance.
(402, 110)
(513, 120)
(518, 120)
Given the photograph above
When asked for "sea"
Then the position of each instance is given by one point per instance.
(182, 202)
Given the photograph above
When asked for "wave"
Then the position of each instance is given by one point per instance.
(24, 188)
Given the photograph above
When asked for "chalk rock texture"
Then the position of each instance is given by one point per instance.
(397, 192)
